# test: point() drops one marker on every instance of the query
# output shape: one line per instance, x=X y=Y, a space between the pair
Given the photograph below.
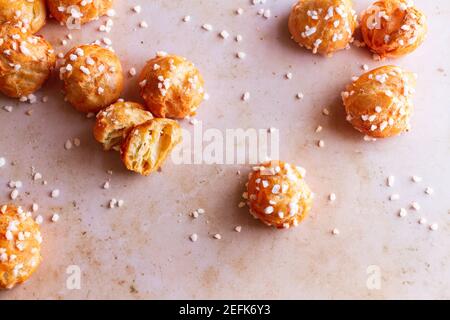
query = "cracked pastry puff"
x=278 y=195
x=92 y=77
x=323 y=26
x=20 y=246
x=393 y=28
x=115 y=122
x=148 y=145
x=30 y=15
x=379 y=103
x=74 y=12
x=171 y=86
x=26 y=61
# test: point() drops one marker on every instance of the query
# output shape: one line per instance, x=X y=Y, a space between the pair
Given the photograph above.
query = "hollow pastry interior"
x=114 y=123
x=148 y=145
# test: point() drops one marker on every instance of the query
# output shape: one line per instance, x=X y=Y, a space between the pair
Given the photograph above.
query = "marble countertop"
x=142 y=249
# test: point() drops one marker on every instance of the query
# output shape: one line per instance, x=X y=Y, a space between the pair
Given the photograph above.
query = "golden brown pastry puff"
x=92 y=77
x=20 y=246
x=171 y=86
x=26 y=61
x=148 y=145
x=393 y=28
x=71 y=12
x=115 y=122
x=31 y=15
x=278 y=195
x=323 y=26
x=378 y=103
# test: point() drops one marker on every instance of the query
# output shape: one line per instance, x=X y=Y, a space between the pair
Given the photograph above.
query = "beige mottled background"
x=142 y=250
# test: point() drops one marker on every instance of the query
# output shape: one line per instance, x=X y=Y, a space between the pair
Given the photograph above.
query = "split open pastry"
x=114 y=123
x=148 y=145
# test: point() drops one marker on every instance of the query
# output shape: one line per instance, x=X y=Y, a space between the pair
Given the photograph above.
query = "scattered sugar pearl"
x=325 y=112
x=106 y=41
x=14 y=194
x=187 y=18
x=68 y=145
x=39 y=219
x=207 y=27
x=143 y=24
x=246 y=96
x=394 y=197
x=299 y=96
x=365 y=67
x=37 y=176
x=195 y=214
x=434 y=227
x=238 y=229
x=321 y=144
x=391 y=181
x=217 y=236
x=112 y=203
x=289 y=75
x=335 y=232
x=76 y=142
x=402 y=213
x=332 y=197
x=239 y=11
x=241 y=204
x=106 y=185
x=2 y=162
x=55 y=217
x=120 y=203
x=132 y=72
x=241 y=55
x=422 y=220
x=35 y=207
x=55 y=193
x=415 y=206
x=193 y=237
x=201 y=211
x=319 y=129
x=137 y=9
x=416 y=179
x=267 y=14
x=429 y=191
x=239 y=38
x=224 y=34
x=369 y=139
